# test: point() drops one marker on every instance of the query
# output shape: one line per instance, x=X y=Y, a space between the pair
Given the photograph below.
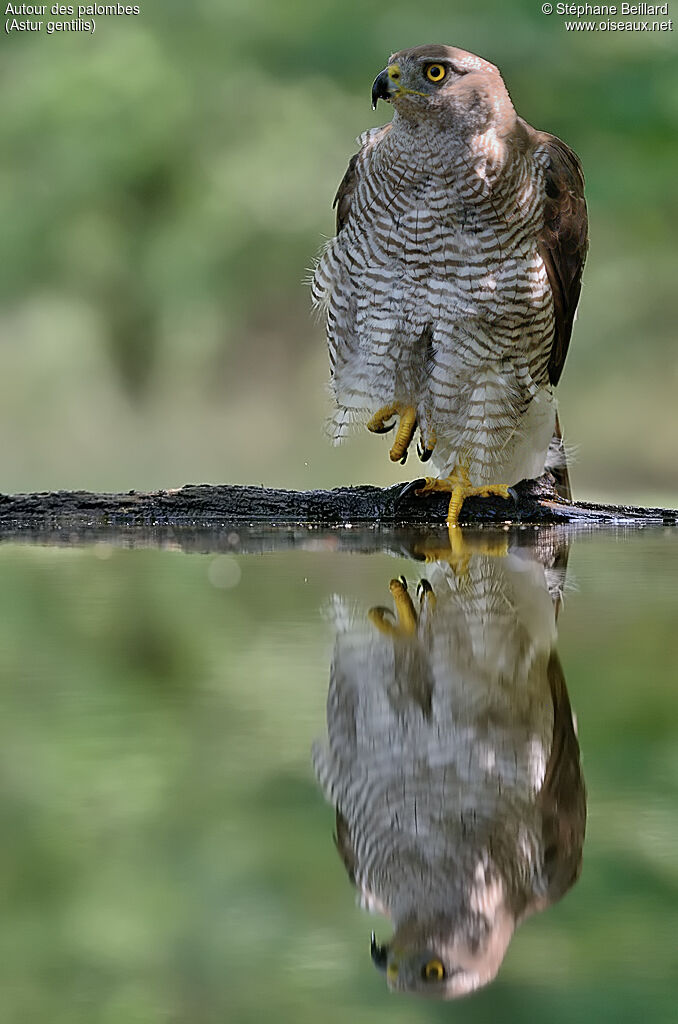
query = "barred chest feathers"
x=436 y=296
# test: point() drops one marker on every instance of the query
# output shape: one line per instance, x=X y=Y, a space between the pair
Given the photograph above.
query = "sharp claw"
x=514 y=494
x=378 y=953
x=385 y=428
x=413 y=485
x=424 y=453
x=404 y=458
x=423 y=587
x=418 y=556
x=401 y=579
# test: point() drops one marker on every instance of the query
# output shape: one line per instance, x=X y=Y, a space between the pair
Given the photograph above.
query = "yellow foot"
x=459 y=487
x=406 y=618
x=408 y=424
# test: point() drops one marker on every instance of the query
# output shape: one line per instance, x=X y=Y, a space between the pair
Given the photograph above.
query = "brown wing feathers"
x=342 y=200
x=563 y=242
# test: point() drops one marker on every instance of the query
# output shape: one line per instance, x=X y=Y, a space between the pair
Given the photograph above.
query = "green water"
x=167 y=853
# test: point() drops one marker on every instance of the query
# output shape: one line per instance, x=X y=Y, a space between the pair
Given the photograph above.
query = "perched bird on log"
x=451 y=286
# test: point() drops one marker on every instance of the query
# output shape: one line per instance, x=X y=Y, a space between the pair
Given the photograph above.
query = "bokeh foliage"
x=166 y=183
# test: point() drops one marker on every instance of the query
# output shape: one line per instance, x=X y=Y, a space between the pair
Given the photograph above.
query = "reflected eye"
x=435 y=72
x=433 y=971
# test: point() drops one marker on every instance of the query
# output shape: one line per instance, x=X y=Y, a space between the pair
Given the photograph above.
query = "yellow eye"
x=433 y=971
x=436 y=72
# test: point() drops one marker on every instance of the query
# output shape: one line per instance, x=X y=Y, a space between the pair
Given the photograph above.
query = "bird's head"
x=445 y=85
x=439 y=961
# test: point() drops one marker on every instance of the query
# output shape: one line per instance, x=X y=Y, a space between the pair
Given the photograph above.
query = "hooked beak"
x=378 y=953
x=385 y=84
x=388 y=85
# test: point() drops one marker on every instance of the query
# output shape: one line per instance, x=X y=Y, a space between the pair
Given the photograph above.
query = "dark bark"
x=221 y=517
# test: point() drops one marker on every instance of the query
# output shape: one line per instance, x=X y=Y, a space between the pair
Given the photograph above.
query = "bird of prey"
x=453 y=764
x=451 y=286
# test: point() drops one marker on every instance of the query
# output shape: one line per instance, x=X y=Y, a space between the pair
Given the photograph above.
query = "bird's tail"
x=556 y=463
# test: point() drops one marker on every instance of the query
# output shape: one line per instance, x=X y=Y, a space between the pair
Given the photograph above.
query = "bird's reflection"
x=453 y=763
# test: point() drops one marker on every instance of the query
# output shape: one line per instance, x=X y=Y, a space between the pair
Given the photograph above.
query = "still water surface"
x=221 y=771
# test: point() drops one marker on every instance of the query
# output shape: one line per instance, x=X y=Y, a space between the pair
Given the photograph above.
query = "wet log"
x=220 y=506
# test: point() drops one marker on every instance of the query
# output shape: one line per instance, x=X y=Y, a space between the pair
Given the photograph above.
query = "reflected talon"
x=425 y=594
x=404 y=623
x=417 y=555
x=380 y=618
x=463 y=545
x=405 y=611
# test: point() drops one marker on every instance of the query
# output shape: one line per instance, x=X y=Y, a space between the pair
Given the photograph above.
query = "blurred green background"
x=166 y=183
x=167 y=857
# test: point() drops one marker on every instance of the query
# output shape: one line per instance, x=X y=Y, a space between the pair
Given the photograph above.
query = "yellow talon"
x=377 y=424
x=408 y=423
x=426 y=445
x=459 y=487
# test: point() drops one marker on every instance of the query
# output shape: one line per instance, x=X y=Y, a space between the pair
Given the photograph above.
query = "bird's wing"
x=344 y=845
x=345 y=192
x=562 y=798
x=563 y=241
x=342 y=200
